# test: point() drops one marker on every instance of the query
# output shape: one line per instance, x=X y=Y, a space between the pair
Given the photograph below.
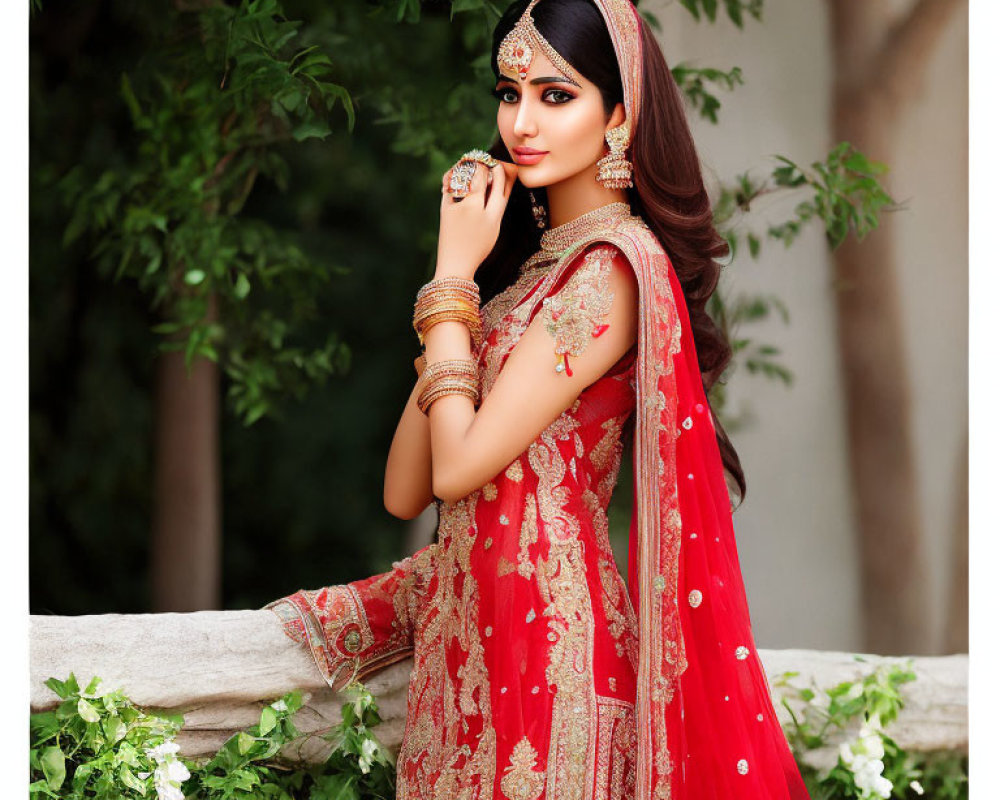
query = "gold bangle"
x=428 y=312
x=448 y=376
x=449 y=282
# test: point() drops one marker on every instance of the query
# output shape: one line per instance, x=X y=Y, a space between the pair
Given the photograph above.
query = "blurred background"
x=254 y=187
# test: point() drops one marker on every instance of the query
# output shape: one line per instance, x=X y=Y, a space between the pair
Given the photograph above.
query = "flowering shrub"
x=99 y=745
x=870 y=765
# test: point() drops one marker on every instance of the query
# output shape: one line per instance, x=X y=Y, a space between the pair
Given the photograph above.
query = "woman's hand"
x=469 y=228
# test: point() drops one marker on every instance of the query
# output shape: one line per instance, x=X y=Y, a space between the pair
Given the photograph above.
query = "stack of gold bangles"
x=448 y=298
x=452 y=298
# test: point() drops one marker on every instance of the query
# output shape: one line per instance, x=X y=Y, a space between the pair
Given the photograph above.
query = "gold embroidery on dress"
x=577 y=312
x=529 y=535
x=504 y=566
x=521 y=780
x=562 y=584
x=438 y=711
x=514 y=471
x=615 y=756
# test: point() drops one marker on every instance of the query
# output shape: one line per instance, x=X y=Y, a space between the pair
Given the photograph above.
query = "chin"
x=539 y=178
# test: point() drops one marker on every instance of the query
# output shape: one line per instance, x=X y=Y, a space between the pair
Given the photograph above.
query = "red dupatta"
x=706 y=726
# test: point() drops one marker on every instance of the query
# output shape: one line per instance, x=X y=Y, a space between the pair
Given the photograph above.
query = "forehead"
x=542 y=67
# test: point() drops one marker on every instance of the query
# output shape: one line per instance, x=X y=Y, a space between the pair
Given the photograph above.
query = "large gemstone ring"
x=465 y=169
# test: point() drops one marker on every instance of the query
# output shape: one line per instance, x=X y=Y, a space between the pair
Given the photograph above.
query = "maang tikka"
x=514 y=57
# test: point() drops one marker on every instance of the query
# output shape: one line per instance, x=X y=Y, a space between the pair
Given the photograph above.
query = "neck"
x=577 y=195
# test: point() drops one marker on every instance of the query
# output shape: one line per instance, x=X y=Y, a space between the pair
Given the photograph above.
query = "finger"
x=479 y=179
x=510 y=177
x=498 y=195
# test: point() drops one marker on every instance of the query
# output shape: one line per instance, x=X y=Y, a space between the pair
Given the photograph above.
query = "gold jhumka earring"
x=614 y=170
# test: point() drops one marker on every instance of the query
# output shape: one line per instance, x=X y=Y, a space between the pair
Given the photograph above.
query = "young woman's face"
x=548 y=113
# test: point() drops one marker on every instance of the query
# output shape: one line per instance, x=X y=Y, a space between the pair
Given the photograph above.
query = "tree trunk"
x=186 y=534
x=878 y=63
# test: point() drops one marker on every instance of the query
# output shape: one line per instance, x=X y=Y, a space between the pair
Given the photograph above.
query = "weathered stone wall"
x=217 y=668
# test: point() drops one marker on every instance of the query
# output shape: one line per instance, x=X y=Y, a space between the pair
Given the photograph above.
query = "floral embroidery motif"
x=576 y=313
x=521 y=781
x=514 y=471
x=490 y=491
x=504 y=566
x=529 y=536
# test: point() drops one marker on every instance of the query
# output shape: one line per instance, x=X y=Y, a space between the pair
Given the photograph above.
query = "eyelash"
x=503 y=90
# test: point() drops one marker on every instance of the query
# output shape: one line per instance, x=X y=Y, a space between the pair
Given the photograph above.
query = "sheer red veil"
x=706 y=725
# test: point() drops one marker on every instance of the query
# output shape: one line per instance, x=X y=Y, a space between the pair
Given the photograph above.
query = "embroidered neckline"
x=560 y=238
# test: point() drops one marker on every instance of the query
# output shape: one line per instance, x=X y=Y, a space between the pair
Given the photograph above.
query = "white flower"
x=870 y=743
x=915 y=785
x=170 y=771
x=864 y=758
x=159 y=753
x=279 y=705
x=176 y=771
x=368 y=750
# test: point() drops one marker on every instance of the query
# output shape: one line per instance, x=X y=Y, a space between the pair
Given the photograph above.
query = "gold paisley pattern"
x=529 y=536
x=521 y=781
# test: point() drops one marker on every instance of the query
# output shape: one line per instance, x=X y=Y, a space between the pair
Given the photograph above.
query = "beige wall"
x=795 y=530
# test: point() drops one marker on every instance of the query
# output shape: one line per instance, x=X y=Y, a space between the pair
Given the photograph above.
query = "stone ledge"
x=218 y=668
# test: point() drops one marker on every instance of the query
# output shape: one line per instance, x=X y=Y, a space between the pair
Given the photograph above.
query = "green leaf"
x=244 y=741
x=268 y=719
x=87 y=711
x=53 y=766
x=194 y=276
x=131 y=781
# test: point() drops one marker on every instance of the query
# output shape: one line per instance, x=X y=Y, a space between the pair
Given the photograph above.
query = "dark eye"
x=566 y=95
x=501 y=92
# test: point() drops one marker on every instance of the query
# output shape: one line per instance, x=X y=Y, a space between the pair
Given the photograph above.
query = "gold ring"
x=481 y=156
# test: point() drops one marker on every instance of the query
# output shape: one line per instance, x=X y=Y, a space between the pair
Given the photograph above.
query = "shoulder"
x=597 y=264
x=598 y=291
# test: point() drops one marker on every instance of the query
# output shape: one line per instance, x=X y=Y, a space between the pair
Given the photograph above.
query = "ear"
x=617 y=117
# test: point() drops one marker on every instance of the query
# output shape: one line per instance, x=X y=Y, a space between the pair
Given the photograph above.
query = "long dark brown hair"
x=669 y=192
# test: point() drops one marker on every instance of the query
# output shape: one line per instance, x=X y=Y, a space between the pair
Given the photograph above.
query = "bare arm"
x=407 y=490
x=469 y=447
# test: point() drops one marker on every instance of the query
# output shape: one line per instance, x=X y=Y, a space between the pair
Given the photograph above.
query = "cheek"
x=505 y=123
x=580 y=131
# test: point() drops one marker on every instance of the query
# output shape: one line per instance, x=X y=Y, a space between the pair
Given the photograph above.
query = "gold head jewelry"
x=517 y=50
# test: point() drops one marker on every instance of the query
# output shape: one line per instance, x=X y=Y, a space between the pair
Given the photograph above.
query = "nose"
x=524 y=122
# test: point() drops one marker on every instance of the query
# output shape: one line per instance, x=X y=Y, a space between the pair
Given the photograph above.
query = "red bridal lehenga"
x=538 y=673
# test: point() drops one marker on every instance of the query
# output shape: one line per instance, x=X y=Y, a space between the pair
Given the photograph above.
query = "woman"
x=537 y=672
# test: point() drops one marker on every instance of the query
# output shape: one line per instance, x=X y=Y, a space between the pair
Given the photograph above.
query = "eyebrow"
x=536 y=81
